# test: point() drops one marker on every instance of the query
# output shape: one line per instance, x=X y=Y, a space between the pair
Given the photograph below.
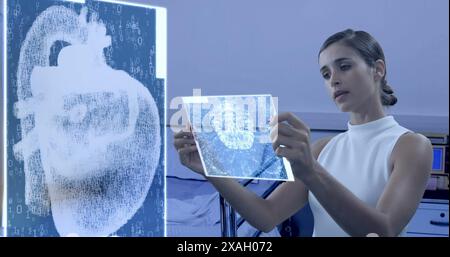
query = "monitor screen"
x=438 y=158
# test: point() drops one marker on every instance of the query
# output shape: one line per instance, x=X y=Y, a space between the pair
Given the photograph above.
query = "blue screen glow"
x=437 y=158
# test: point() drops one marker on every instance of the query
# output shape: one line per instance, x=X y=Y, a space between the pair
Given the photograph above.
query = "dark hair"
x=370 y=50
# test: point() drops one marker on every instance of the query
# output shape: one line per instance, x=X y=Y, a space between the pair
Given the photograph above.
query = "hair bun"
x=392 y=99
x=387 y=89
x=387 y=97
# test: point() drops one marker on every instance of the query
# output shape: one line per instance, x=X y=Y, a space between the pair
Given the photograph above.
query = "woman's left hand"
x=290 y=139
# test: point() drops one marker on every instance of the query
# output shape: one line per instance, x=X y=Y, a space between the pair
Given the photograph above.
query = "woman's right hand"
x=187 y=151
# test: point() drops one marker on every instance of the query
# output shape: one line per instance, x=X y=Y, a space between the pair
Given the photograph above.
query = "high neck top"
x=372 y=127
x=359 y=160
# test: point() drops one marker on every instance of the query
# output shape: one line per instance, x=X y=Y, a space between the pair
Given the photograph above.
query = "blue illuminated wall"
x=245 y=52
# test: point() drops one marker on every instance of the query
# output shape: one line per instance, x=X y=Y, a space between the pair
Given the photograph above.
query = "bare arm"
x=411 y=166
x=264 y=214
x=398 y=202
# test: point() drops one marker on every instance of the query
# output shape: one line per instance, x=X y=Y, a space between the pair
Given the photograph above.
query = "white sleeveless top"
x=358 y=159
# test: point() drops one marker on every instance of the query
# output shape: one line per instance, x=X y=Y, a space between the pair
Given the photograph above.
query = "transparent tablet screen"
x=232 y=134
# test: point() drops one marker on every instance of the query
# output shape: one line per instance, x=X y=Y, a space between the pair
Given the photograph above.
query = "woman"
x=369 y=179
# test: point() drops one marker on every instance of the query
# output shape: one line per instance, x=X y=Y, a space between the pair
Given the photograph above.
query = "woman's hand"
x=290 y=139
x=187 y=150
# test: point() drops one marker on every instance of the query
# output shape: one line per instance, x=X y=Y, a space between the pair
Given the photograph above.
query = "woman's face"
x=348 y=79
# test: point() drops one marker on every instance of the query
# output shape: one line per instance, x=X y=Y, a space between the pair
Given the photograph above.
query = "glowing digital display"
x=438 y=158
x=86 y=110
x=232 y=135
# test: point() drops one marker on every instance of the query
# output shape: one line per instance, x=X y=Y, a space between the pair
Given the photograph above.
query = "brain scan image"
x=86 y=125
x=232 y=135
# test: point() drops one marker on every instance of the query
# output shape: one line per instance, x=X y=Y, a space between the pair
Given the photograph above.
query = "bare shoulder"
x=412 y=142
x=412 y=147
x=318 y=145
